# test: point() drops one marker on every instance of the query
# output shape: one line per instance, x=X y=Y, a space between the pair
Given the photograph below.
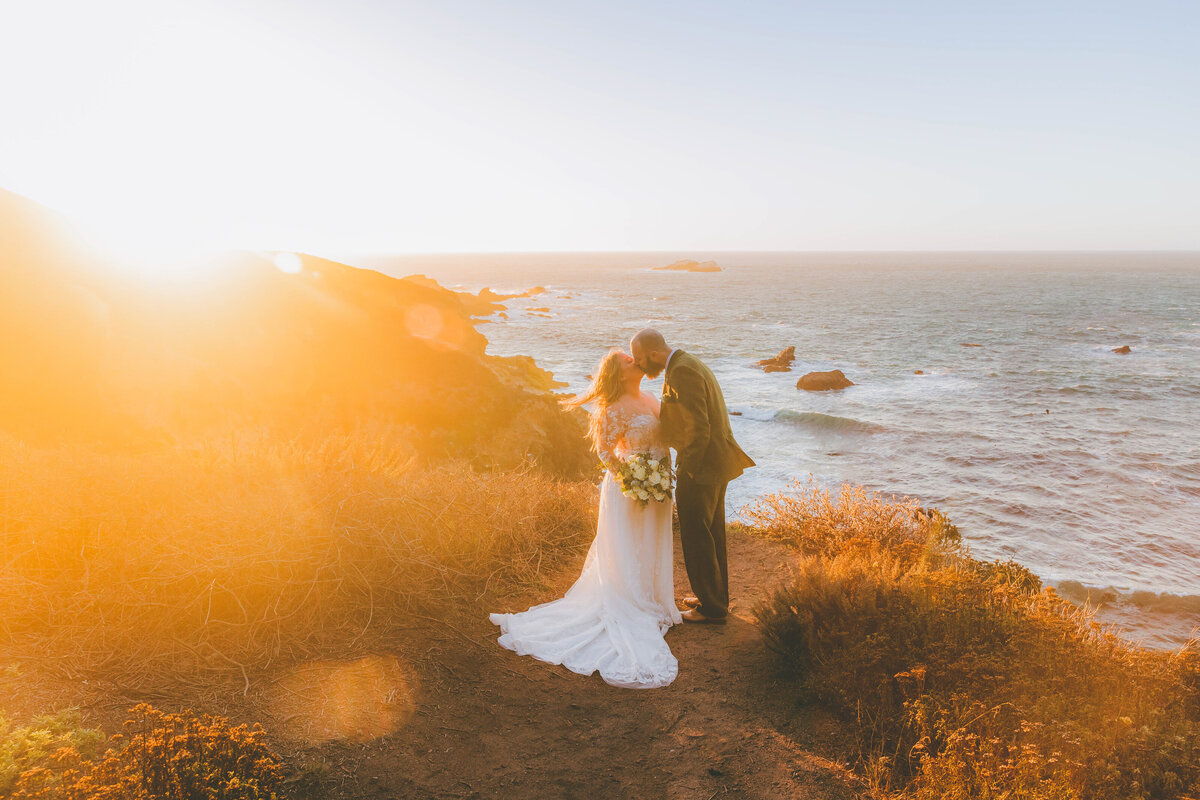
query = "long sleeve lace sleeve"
x=610 y=432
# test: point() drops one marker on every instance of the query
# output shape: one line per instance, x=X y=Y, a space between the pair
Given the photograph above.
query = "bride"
x=613 y=617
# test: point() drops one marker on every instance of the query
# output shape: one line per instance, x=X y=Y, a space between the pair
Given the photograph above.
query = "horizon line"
x=823 y=251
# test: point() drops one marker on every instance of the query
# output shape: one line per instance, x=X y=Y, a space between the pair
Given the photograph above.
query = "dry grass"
x=817 y=523
x=966 y=679
x=240 y=552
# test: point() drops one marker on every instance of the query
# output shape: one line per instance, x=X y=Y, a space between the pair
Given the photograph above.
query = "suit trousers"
x=701 y=509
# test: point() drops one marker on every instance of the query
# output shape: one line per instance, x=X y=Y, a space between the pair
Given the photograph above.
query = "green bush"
x=40 y=742
x=162 y=757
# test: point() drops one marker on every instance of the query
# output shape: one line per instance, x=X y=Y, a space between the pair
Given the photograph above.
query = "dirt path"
x=442 y=711
x=486 y=723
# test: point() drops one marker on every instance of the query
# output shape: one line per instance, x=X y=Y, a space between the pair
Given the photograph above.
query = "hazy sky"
x=356 y=126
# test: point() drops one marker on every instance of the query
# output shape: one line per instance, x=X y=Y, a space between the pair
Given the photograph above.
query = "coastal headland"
x=287 y=491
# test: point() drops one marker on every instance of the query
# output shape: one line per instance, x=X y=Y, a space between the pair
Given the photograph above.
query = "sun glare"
x=288 y=262
x=147 y=257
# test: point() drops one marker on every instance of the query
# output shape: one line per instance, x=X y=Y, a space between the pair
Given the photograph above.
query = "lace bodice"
x=624 y=433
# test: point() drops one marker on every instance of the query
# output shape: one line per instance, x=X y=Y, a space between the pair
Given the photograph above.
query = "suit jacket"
x=695 y=422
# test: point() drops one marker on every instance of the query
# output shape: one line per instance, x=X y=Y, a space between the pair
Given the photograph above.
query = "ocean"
x=1040 y=443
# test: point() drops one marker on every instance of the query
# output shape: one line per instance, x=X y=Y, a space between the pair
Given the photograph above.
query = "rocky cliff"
x=87 y=350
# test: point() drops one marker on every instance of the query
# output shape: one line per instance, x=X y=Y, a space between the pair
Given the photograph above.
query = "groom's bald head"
x=650 y=351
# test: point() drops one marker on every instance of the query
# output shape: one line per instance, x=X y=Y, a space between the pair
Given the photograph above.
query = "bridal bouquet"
x=644 y=478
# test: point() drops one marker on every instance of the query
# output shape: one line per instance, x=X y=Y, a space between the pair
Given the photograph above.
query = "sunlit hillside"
x=256 y=459
x=93 y=352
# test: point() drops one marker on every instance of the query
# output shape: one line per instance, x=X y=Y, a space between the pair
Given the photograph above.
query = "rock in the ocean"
x=1123 y=350
x=779 y=363
x=970 y=344
x=688 y=265
x=918 y=372
x=536 y=290
x=488 y=296
x=823 y=381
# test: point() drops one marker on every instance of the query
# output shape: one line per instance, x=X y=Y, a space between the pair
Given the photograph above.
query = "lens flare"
x=424 y=321
x=325 y=701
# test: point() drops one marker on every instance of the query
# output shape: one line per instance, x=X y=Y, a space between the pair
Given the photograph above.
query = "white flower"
x=652 y=463
x=643 y=494
x=639 y=472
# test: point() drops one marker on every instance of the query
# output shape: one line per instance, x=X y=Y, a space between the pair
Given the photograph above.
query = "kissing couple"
x=613 y=618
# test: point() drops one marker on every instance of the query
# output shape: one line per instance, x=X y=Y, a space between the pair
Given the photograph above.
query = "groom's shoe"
x=691 y=601
x=694 y=615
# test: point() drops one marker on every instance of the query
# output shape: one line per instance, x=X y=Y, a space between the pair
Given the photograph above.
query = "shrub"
x=163 y=757
x=967 y=679
x=816 y=523
x=29 y=746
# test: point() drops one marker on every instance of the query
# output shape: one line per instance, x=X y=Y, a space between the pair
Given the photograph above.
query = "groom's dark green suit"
x=695 y=422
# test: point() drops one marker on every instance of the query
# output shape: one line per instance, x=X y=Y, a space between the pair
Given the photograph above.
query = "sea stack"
x=688 y=265
x=779 y=363
x=823 y=381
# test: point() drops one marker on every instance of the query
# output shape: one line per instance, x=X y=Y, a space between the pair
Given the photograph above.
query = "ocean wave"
x=826 y=422
x=1164 y=602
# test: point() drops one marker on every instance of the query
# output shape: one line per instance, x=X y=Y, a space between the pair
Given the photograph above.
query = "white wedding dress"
x=613 y=617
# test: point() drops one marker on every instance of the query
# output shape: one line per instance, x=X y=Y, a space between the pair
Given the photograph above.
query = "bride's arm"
x=609 y=435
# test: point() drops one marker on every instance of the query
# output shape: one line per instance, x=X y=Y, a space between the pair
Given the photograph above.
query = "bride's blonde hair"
x=605 y=389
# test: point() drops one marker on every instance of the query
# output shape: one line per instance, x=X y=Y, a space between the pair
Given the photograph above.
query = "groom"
x=695 y=422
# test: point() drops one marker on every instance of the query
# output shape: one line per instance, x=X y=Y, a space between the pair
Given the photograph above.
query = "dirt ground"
x=445 y=712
